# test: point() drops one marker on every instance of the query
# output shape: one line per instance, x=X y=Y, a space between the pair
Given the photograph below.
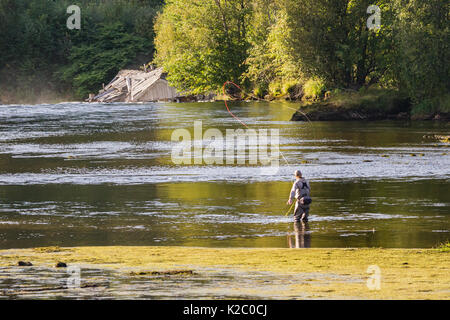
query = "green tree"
x=270 y=56
x=330 y=40
x=39 y=53
x=422 y=40
x=32 y=43
x=202 y=43
x=112 y=48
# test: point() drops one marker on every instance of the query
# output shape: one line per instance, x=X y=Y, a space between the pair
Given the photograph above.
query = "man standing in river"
x=299 y=192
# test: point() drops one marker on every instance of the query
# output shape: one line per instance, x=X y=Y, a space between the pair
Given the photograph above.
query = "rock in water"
x=25 y=264
x=61 y=265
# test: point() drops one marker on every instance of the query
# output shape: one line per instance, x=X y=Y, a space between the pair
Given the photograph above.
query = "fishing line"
x=246 y=126
x=229 y=111
x=309 y=122
x=251 y=95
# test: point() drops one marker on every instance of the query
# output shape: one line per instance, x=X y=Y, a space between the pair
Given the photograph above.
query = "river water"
x=76 y=174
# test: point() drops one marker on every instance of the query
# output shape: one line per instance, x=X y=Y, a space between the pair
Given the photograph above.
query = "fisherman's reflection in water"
x=301 y=236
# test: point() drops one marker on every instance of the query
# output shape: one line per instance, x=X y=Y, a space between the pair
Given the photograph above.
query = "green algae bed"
x=405 y=273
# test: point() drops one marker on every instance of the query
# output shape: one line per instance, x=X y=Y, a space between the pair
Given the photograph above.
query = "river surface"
x=76 y=174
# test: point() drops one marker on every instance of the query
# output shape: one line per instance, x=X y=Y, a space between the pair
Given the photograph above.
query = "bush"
x=444 y=247
x=363 y=90
x=432 y=105
x=335 y=92
x=93 y=64
x=313 y=88
x=260 y=91
x=289 y=87
x=281 y=88
x=275 y=89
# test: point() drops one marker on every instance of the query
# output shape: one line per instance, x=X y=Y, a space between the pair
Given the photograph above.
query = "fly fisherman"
x=300 y=192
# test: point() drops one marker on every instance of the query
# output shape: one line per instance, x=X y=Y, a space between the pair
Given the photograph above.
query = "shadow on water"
x=301 y=237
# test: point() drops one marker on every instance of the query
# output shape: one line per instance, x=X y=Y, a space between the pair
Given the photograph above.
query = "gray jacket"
x=300 y=189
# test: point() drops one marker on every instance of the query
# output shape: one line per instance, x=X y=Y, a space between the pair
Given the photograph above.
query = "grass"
x=379 y=101
x=406 y=273
x=367 y=103
x=437 y=104
x=369 y=98
x=444 y=247
x=313 y=88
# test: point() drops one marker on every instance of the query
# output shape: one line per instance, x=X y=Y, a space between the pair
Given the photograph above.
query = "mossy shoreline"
x=371 y=105
x=324 y=111
x=405 y=273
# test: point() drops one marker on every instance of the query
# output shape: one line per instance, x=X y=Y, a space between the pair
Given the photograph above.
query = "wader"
x=301 y=212
x=301 y=189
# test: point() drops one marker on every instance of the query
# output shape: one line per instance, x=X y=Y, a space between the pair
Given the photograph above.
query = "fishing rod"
x=287 y=213
x=245 y=125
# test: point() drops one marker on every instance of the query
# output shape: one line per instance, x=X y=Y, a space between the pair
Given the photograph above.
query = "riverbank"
x=371 y=105
x=287 y=273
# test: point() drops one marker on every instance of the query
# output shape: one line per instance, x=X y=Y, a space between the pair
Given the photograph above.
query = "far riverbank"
x=371 y=105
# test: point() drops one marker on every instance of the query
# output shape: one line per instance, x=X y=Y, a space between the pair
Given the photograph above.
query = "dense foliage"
x=268 y=45
x=202 y=43
x=39 y=53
